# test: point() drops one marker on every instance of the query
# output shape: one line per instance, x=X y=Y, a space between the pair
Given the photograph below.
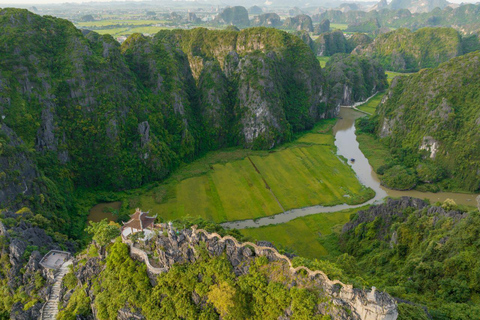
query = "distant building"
x=139 y=222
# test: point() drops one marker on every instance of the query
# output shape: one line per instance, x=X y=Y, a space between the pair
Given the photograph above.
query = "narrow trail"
x=266 y=184
x=50 y=308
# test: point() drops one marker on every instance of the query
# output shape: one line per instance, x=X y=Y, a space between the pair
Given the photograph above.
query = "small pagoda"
x=139 y=222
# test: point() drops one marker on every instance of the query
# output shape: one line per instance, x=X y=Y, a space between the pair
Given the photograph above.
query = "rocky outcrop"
x=388 y=211
x=330 y=43
x=405 y=51
x=299 y=22
x=20 y=265
x=322 y=27
x=267 y=20
x=179 y=246
x=266 y=80
x=353 y=78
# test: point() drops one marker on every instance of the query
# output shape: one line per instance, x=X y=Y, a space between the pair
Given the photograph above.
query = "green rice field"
x=303 y=235
x=242 y=184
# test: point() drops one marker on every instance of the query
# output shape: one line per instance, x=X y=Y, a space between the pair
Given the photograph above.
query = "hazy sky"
x=10 y=3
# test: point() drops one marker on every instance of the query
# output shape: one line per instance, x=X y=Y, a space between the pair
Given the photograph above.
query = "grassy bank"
x=375 y=151
x=239 y=184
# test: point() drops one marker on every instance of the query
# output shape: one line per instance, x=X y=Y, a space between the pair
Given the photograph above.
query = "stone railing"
x=144 y=257
x=260 y=249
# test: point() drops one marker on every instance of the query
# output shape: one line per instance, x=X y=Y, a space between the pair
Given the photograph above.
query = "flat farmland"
x=243 y=184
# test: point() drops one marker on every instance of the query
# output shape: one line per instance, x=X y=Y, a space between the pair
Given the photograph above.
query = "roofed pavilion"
x=139 y=222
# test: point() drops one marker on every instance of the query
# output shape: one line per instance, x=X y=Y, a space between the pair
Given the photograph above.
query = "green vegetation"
x=406 y=51
x=353 y=78
x=426 y=256
x=239 y=184
x=305 y=236
x=433 y=136
x=330 y=43
x=98 y=119
x=371 y=105
x=376 y=152
x=323 y=61
x=391 y=75
x=103 y=232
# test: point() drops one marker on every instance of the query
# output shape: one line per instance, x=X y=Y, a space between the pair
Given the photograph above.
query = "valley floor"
x=244 y=184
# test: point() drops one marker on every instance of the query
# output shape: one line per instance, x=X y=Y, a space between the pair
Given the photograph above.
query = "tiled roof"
x=140 y=220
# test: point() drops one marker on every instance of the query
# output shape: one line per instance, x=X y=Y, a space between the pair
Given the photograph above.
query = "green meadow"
x=323 y=61
x=393 y=74
x=304 y=236
x=239 y=184
x=340 y=26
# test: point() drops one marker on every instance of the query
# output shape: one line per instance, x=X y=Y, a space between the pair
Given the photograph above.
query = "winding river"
x=347 y=146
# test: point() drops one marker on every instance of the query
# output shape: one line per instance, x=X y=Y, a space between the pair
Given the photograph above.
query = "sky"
x=10 y=3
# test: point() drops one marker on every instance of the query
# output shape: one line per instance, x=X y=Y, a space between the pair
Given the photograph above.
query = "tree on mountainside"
x=103 y=232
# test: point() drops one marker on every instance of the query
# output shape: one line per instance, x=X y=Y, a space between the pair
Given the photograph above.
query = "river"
x=347 y=146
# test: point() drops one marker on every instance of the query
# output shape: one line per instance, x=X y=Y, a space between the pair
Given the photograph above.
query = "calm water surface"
x=99 y=212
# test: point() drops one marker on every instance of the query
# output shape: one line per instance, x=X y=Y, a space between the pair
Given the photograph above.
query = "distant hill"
x=418 y=6
x=405 y=51
x=233 y=15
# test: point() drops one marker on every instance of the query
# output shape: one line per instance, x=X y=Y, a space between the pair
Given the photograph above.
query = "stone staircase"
x=50 y=309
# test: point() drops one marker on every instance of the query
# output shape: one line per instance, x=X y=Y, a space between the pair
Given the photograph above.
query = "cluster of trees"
x=426 y=256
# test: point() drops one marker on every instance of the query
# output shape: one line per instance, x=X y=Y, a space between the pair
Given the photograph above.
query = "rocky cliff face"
x=353 y=78
x=275 y=83
x=237 y=16
x=20 y=273
x=19 y=175
x=267 y=20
